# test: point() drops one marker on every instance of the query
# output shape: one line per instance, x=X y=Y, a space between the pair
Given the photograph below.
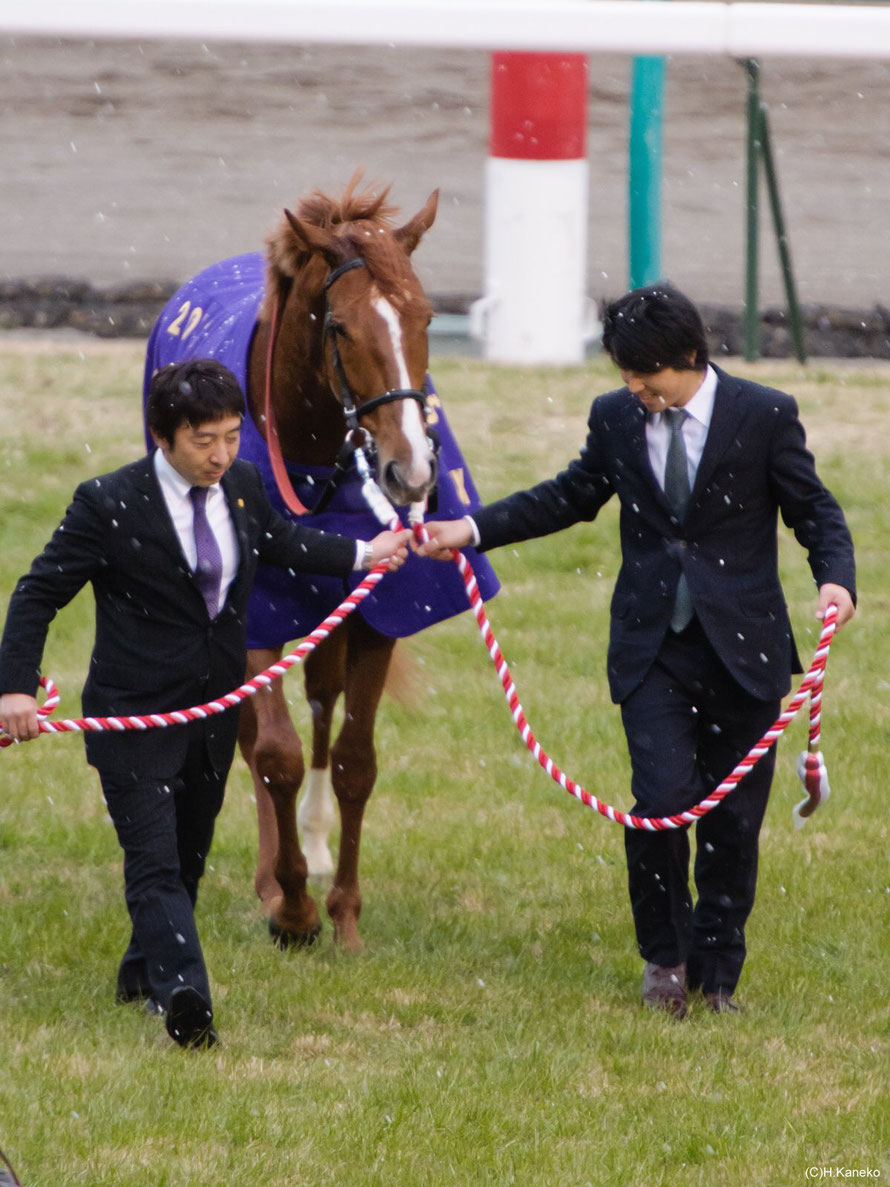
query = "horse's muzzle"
x=402 y=488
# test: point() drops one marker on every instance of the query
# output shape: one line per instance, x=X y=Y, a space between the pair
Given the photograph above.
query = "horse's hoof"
x=283 y=938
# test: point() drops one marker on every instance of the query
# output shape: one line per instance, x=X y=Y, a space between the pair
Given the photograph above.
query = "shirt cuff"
x=363 y=556
x=477 y=539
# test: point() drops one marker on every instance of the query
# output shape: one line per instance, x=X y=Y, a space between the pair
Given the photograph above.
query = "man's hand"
x=445 y=535
x=391 y=547
x=18 y=716
x=841 y=598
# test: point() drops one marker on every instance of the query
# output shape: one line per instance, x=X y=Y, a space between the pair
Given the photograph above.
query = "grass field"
x=490 y=1032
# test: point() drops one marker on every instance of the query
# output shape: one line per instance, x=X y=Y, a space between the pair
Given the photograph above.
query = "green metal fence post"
x=752 y=313
x=781 y=236
x=644 y=171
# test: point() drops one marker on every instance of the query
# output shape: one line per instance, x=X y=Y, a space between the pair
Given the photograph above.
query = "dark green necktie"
x=677 y=492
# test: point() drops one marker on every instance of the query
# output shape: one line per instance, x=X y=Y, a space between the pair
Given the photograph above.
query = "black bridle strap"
x=337 y=272
x=350 y=411
x=396 y=393
x=353 y=411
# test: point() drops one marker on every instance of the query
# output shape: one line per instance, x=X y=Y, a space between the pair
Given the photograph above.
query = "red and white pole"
x=535 y=309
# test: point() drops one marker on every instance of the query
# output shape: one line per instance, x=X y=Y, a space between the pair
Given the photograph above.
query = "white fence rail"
x=578 y=26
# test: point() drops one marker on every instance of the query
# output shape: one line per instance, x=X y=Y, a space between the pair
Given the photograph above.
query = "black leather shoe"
x=721 y=1003
x=664 y=988
x=190 y=1018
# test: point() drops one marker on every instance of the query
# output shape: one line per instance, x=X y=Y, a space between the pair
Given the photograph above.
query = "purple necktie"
x=208 y=572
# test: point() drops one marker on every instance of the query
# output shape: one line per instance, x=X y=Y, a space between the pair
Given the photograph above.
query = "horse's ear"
x=311 y=239
x=411 y=234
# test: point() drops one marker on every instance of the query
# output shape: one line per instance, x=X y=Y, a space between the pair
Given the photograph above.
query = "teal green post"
x=752 y=212
x=644 y=171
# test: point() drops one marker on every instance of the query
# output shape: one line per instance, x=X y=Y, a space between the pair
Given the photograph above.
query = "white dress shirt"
x=694 y=429
x=175 y=490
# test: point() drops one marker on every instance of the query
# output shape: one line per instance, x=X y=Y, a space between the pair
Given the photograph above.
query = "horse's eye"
x=339 y=329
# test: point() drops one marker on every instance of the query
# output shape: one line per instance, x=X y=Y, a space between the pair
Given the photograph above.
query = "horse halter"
x=353 y=411
x=357 y=437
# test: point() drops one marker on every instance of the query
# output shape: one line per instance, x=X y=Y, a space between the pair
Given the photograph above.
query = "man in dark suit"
x=170 y=545
x=701 y=650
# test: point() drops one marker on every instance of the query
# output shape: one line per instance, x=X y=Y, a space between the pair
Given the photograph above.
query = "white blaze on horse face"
x=412 y=416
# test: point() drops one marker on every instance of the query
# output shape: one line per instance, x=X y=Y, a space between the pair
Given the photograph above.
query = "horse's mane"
x=357 y=217
x=353 y=205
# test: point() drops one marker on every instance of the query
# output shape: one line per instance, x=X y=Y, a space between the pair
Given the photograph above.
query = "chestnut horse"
x=331 y=344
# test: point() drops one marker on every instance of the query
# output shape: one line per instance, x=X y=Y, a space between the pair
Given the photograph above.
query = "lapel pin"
x=240 y=502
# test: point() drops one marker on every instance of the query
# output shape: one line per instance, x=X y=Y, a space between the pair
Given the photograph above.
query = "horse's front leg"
x=272 y=750
x=354 y=768
x=325 y=672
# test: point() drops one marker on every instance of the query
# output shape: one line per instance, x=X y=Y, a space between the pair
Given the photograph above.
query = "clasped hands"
x=444 y=536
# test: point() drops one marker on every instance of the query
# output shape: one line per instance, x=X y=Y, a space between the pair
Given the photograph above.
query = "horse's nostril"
x=411 y=485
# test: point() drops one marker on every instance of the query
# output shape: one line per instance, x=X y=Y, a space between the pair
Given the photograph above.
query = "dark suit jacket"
x=156 y=648
x=755 y=464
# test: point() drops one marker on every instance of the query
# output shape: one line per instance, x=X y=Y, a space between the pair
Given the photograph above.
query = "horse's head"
x=375 y=320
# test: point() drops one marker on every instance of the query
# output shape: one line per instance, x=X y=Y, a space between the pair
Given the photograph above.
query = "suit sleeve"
x=808 y=508
x=73 y=555
x=576 y=494
x=296 y=546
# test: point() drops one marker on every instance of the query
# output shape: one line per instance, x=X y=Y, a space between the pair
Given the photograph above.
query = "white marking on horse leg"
x=316 y=817
x=412 y=418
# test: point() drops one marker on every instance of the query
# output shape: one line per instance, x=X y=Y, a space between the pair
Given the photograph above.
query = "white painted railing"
x=579 y=26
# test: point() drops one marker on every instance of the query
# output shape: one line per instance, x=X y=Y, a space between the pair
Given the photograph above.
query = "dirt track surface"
x=126 y=161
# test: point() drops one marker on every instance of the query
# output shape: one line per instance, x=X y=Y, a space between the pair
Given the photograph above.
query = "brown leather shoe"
x=664 y=988
x=721 y=1003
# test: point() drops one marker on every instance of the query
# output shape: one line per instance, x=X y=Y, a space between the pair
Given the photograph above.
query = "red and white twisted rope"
x=199 y=712
x=810 y=686
x=811 y=768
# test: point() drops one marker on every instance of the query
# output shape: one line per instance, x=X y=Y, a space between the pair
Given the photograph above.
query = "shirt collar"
x=701 y=406
x=173 y=482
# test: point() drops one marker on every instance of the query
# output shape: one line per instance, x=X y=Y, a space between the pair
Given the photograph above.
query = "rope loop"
x=812 y=765
x=811 y=686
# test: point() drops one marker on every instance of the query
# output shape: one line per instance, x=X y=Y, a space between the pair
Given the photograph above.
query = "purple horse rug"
x=214 y=316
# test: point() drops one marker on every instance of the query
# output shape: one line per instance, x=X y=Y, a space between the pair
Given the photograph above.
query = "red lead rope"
x=811 y=766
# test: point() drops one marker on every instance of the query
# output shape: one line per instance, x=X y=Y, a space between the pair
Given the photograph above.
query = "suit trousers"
x=687 y=726
x=165 y=828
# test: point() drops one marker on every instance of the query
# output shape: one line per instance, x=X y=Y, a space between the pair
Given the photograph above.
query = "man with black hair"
x=701 y=650
x=170 y=545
